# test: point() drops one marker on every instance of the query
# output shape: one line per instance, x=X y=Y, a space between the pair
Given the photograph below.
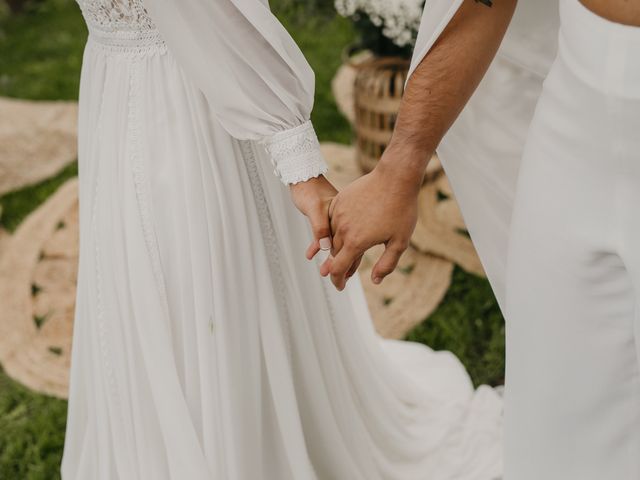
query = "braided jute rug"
x=37 y=139
x=37 y=291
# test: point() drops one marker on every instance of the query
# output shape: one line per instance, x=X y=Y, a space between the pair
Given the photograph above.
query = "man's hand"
x=378 y=208
x=381 y=207
x=313 y=198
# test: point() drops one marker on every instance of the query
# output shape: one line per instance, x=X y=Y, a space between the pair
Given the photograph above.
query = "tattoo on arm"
x=488 y=3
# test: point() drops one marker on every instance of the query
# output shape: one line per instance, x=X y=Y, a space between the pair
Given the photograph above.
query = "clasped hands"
x=378 y=208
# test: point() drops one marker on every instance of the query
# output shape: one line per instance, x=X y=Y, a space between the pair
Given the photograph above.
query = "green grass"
x=32 y=433
x=469 y=323
x=40 y=58
x=41 y=51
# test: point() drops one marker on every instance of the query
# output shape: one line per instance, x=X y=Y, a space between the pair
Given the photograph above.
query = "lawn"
x=31 y=433
x=41 y=51
x=40 y=57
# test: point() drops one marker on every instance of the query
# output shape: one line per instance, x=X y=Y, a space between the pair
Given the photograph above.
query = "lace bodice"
x=116 y=16
x=121 y=26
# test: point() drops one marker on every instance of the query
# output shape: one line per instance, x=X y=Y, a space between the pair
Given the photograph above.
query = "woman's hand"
x=313 y=198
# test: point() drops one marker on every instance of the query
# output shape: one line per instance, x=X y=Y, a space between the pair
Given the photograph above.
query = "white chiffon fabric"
x=205 y=345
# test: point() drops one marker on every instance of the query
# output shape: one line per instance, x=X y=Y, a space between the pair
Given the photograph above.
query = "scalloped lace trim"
x=312 y=170
x=295 y=154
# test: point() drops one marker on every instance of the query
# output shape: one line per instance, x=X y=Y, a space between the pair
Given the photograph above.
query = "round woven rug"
x=37 y=288
x=441 y=229
x=37 y=139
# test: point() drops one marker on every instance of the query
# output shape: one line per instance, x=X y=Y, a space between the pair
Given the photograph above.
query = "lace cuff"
x=295 y=154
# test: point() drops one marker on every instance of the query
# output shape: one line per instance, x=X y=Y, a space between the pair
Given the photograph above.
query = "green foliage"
x=305 y=9
x=469 y=323
x=16 y=205
x=41 y=51
x=32 y=433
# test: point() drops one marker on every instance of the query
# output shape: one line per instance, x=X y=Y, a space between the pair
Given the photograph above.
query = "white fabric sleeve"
x=530 y=41
x=436 y=16
x=255 y=78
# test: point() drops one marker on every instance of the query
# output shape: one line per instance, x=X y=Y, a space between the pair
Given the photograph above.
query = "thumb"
x=321 y=228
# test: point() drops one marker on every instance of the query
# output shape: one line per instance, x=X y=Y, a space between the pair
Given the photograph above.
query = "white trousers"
x=572 y=400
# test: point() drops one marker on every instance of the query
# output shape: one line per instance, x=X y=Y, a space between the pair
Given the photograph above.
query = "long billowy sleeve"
x=255 y=78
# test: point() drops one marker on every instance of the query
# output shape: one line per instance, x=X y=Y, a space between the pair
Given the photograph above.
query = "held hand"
x=378 y=208
x=313 y=198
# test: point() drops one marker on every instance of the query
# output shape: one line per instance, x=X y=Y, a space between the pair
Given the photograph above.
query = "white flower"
x=399 y=19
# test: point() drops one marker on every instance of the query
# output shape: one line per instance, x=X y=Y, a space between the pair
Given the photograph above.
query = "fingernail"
x=377 y=280
x=325 y=244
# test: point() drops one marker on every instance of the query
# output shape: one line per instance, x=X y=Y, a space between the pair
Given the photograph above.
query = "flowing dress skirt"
x=205 y=345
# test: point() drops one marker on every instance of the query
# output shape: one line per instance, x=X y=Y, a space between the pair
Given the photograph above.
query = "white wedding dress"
x=205 y=345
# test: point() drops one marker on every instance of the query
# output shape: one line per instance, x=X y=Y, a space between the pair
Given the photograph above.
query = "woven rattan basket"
x=379 y=87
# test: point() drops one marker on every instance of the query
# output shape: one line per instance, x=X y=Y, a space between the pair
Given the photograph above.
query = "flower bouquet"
x=385 y=27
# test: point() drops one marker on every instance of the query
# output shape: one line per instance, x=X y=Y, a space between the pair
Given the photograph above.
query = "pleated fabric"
x=205 y=345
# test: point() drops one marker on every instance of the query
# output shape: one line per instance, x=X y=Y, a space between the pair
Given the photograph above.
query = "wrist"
x=317 y=189
x=404 y=165
x=308 y=184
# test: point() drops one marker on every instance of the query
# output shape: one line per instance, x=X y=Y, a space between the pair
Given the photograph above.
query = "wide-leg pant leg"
x=572 y=400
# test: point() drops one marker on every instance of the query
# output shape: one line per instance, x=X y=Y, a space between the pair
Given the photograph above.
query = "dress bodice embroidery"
x=122 y=26
x=116 y=15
